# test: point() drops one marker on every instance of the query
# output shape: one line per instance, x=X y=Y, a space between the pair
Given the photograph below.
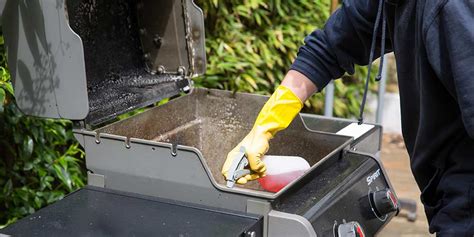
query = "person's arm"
x=299 y=84
x=344 y=41
x=327 y=54
x=451 y=54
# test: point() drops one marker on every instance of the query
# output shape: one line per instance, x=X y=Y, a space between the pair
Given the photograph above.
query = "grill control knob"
x=384 y=202
x=350 y=229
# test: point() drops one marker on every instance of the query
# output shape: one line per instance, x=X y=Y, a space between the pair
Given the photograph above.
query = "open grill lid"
x=95 y=59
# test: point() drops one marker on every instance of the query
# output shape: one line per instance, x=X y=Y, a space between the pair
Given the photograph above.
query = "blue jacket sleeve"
x=344 y=41
x=451 y=55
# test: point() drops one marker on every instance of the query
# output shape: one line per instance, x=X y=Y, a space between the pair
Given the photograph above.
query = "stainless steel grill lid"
x=101 y=58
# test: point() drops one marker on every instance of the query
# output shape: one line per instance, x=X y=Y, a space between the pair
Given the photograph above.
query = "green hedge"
x=250 y=45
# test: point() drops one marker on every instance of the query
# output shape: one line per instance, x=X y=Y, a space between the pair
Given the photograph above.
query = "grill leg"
x=410 y=206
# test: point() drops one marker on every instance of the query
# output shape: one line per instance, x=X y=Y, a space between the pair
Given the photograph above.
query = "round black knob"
x=350 y=229
x=384 y=202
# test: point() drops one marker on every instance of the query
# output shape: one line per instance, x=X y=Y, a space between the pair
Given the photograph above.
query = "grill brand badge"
x=373 y=177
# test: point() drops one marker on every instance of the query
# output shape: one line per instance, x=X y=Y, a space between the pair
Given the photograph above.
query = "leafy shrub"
x=251 y=44
x=40 y=160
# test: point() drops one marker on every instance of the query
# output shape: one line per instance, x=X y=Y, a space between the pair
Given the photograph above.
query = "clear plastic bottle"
x=282 y=170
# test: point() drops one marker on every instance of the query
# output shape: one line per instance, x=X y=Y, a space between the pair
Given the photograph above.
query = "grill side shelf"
x=94 y=212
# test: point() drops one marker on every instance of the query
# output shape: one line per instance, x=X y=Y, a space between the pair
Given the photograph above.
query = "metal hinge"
x=189 y=38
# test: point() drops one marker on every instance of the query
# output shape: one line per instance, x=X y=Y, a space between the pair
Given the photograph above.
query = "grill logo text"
x=373 y=177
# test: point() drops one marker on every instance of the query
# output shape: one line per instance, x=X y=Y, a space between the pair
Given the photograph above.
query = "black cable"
x=382 y=52
x=371 y=58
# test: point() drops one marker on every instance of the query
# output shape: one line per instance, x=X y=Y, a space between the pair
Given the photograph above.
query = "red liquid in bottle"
x=274 y=183
x=282 y=170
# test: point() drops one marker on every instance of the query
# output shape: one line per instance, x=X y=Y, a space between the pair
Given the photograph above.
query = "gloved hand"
x=276 y=115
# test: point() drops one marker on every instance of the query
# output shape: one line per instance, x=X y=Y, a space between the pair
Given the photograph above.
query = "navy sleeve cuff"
x=319 y=76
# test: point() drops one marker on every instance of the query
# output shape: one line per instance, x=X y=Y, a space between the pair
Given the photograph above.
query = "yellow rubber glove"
x=276 y=115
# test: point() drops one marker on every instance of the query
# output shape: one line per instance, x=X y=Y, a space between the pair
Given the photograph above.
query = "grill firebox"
x=214 y=122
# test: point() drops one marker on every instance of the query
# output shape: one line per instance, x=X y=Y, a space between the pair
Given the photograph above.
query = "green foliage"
x=251 y=44
x=40 y=160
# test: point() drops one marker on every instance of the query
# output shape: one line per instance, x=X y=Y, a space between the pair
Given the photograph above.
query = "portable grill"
x=158 y=172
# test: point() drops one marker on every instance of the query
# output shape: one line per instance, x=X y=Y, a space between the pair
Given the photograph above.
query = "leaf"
x=250 y=80
x=2 y=99
x=49 y=179
x=64 y=176
x=38 y=202
x=28 y=166
x=60 y=130
x=6 y=85
x=7 y=189
x=34 y=131
x=27 y=147
x=54 y=196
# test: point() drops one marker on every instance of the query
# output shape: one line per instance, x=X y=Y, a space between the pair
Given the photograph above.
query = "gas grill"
x=157 y=173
